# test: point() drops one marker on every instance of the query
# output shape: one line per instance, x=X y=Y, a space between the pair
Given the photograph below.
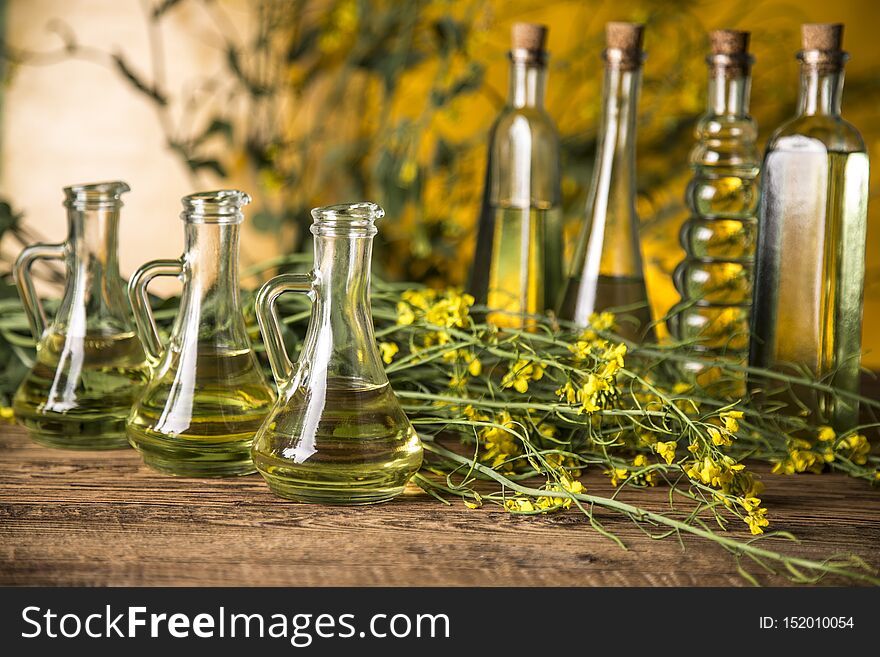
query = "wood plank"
x=102 y=518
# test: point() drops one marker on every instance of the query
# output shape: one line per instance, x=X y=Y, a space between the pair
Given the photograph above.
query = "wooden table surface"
x=102 y=518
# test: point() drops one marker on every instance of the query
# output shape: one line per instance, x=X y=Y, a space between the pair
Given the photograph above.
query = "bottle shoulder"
x=515 y=119
x=832 y=132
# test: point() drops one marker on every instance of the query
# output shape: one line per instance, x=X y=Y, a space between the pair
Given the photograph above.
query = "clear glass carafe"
x=606 y=271
x=337 y=433
x=810 y=264
x=207 y=395
x=518 y=263
x=90 y=364
x=715 y=277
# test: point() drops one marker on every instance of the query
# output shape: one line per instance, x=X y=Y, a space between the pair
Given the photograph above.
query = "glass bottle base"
x=309 y=489
x=73 y=434
x=181 y=458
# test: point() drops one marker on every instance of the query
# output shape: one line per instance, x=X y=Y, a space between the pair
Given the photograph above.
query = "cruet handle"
x=270 y=326
x=140 y=303
x=21 y=272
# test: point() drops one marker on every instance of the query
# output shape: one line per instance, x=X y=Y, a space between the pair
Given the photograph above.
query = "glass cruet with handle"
x=207 y=394
x=337 y=433
x=89 y=364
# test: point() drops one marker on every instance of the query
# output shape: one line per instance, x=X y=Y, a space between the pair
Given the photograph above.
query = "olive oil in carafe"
x=526 y=265
x=360 y=449
x=199 y=418
x=81 y=389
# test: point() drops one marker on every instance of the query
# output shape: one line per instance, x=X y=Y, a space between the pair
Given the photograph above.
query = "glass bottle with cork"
x=715 y=277
x=810 y=262
x=518 y=264
x=607 y=271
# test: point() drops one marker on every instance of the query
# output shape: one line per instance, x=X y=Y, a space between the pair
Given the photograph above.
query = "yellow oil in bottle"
x=808 y=300
x=199 y=418
x=81 y=389
x=345 y=442
x=526 y=267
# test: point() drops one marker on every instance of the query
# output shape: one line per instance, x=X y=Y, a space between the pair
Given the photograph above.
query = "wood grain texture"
x=102 y=518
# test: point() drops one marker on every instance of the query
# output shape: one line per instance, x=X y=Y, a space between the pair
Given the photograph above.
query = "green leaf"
x=8 y=218
x=197 y=164
x=216 y=127
x=149 y=90
x=450 y=34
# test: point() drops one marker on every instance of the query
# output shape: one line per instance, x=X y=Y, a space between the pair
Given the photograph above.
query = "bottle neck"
x=729 y=89
x=616 y=147
x=94 y=239
x=94 y=298
x=211 y=298
x=528 y=80
x=342 y=267
x=821 y=90
x=340 y=341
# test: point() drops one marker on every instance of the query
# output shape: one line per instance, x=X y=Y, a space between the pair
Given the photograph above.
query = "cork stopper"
x=729 y=42
x=827 y=37
x=822 y=47
x=623 y=42
x=528 y=36
x=729 y=53
x=624 y=36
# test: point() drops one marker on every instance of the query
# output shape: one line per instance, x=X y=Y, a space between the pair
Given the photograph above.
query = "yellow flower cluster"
x=597 y=389
x=666 y=450
x=499 y=443
x=604 y=321
x=466 y=364
x=546 y=503
x=756 y=517
x=734 y=485
x=388 y=351
x=723 y=435
x=520 y=373
x=447 y=309
x=811 y=456
x=632 y=473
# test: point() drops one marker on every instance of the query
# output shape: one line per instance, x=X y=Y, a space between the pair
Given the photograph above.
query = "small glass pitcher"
x=337 y=433
x=207 y=395
x=90 y=364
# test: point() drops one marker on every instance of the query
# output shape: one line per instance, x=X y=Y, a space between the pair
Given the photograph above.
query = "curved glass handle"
x=21 y=272
x=270 y=326
x=140 y=303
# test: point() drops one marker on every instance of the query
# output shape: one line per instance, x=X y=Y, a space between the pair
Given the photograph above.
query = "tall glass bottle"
x=337 y=433
x=207 y=395
x=606 y=271
x=90 y=365
x=518 y=264
x=715 y=278
x=810 y=265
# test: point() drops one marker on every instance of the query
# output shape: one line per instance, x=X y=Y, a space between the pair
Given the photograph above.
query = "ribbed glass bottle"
x=518 y=264
x=810 y=268
x=715 y=278
x=606 y=271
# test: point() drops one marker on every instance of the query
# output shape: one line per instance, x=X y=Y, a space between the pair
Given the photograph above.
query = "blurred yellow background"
x=303 y=103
